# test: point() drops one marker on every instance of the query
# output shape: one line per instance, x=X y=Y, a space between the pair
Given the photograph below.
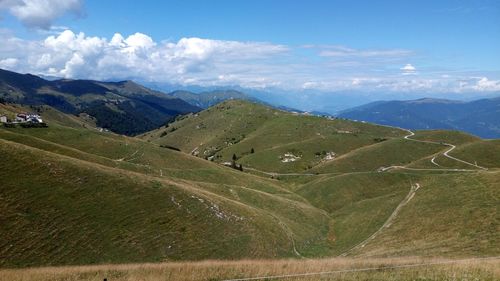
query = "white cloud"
x=8 y=63
x=195 y=60
x=484 y=84
x=40 y=13
x=208 y=62
x=342 y=51
x=139 y=41
x=408 y=69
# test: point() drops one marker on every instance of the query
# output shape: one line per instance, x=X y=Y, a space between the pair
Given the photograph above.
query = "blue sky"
x=329 y=46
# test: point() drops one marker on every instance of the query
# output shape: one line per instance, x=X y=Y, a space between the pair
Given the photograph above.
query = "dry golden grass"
x=379 y=269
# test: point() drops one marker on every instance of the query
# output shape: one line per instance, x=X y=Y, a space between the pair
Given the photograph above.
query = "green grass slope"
x=469 y=148
x=371 y=158
x=49 y=114
x=453 y=137
x=134 y=155
x=486 y=153
x=236 y=127
x=111 y=215
x=70 y=194
x=450 y=215
x=358 y=199
x=357 y=203
x=77 y=196
x=67 y=212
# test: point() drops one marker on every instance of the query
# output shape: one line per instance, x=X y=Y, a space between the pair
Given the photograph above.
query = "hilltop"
x=210 y=98
x=122 y=107
x=237 y=127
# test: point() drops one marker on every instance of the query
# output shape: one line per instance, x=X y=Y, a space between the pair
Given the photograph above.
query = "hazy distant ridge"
x=480 y=117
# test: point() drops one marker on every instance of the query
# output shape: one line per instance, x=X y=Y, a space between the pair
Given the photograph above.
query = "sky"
x=427 y=47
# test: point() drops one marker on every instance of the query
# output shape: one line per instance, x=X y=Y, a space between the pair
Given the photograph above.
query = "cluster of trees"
x=170 y=147
x=26 y=125
x=320 y=153
x=164 y=133
x=122 y=121
x=234 y=158
x=235 y=165
x=34 y=125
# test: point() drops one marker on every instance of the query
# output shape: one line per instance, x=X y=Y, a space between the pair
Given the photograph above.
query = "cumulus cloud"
x=40 y=13
x=189 y=60
x=208 y=62
x=484 y=84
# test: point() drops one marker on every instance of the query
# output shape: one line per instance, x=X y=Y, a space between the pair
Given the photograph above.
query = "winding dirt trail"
x=433 y=161
x=445 y=154
x=384 y=169
x=388 y=222
x=414 y=187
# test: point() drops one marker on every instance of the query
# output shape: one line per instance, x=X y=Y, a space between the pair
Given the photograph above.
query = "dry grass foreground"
x=370 y=269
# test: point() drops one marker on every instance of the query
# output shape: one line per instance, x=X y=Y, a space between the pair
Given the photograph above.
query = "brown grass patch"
x=379 y=269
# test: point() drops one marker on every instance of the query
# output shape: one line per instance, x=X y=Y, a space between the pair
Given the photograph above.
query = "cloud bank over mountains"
x=208 y=62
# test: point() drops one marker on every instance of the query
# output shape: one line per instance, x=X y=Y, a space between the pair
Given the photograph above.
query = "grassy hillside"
x=486 y=153
x=131 y=217
x=134 y=201
x=357 y=197
x=357 y=203
x=468 y=148
x=49 y=114
x=450 y=215
x=453 y=137
x=388 y=153
x=70 y=194
x=237 y=127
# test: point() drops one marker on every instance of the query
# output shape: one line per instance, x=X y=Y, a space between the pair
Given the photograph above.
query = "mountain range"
x=479 y=117
x=122 y=107
x=129 y=108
